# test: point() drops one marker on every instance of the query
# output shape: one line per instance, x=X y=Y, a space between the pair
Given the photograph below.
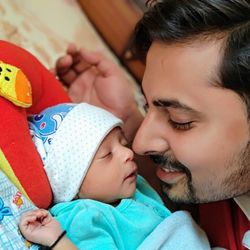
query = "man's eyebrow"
x=171 y=103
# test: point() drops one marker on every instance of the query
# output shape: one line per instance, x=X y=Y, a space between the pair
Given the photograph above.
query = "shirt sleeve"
x=87 y=227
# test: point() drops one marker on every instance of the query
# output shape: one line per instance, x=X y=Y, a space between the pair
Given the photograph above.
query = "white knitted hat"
x=67 y=137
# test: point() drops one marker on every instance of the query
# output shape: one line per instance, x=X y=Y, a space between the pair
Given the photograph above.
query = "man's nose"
x=151 y=137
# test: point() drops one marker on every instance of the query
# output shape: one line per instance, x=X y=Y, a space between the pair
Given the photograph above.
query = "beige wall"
x=45 y=27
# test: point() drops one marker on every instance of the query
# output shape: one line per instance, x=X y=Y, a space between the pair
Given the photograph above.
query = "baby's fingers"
x=32 y=216
x=26 y=221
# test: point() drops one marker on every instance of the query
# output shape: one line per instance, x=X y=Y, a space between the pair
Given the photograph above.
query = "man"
x=197 y=128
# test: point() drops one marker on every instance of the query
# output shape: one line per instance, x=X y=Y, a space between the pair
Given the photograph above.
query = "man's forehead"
x=177 y=59
x=180 y=74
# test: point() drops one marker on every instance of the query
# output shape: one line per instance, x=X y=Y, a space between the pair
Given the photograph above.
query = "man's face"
x=199 y=129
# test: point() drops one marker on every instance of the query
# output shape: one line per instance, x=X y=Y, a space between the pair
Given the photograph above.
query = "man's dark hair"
x=184 y=21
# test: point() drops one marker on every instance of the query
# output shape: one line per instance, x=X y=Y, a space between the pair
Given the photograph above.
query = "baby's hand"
x=40 y=227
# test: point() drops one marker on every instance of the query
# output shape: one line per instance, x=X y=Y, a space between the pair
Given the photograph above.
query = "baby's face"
x=112 y=174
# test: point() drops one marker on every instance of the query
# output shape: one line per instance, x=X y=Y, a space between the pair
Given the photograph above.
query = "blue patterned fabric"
x=47 y=122
x=12 y=205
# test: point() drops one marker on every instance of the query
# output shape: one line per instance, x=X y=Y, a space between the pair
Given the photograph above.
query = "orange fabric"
x=23 y=91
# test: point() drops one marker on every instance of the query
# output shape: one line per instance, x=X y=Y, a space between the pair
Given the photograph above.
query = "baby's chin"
x=130 y=191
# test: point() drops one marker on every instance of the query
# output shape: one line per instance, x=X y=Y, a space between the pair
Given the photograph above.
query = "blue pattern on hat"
x=47 y=122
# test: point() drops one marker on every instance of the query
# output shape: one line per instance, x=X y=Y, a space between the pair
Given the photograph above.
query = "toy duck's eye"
x=38 y=117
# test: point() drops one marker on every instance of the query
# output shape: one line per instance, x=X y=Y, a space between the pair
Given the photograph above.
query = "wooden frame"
x=115 y=21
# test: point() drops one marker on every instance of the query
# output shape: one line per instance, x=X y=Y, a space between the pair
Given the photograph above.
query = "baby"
x=100 y=201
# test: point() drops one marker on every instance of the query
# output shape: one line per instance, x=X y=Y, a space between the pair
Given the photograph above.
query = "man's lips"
x=169 y=176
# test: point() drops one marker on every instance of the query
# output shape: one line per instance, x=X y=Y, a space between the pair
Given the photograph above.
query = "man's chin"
x=178 y=193
x=184 y=194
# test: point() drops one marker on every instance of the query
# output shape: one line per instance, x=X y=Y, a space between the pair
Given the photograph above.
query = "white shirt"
x=243 y=202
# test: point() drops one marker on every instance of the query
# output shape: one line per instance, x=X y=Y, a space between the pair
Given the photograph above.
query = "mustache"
x=164 y=161
x=167 y=163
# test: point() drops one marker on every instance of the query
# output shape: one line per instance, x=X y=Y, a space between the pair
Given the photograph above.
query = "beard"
x=183 y=190
x=235 y=182
x=238 y=182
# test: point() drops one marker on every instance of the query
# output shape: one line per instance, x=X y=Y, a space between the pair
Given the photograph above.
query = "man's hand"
x=94 y=79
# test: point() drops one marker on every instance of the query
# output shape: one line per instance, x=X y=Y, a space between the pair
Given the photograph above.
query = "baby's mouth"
x=131 y=175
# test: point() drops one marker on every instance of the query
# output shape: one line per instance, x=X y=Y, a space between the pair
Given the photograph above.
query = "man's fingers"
x=71 y=62
x=103 y=65
x=63 y=64
x=81 y=90
x=72 y=49
x=68 y=77
x=80 y=65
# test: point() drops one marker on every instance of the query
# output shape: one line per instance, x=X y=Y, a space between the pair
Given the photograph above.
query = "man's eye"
x=181 y=126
